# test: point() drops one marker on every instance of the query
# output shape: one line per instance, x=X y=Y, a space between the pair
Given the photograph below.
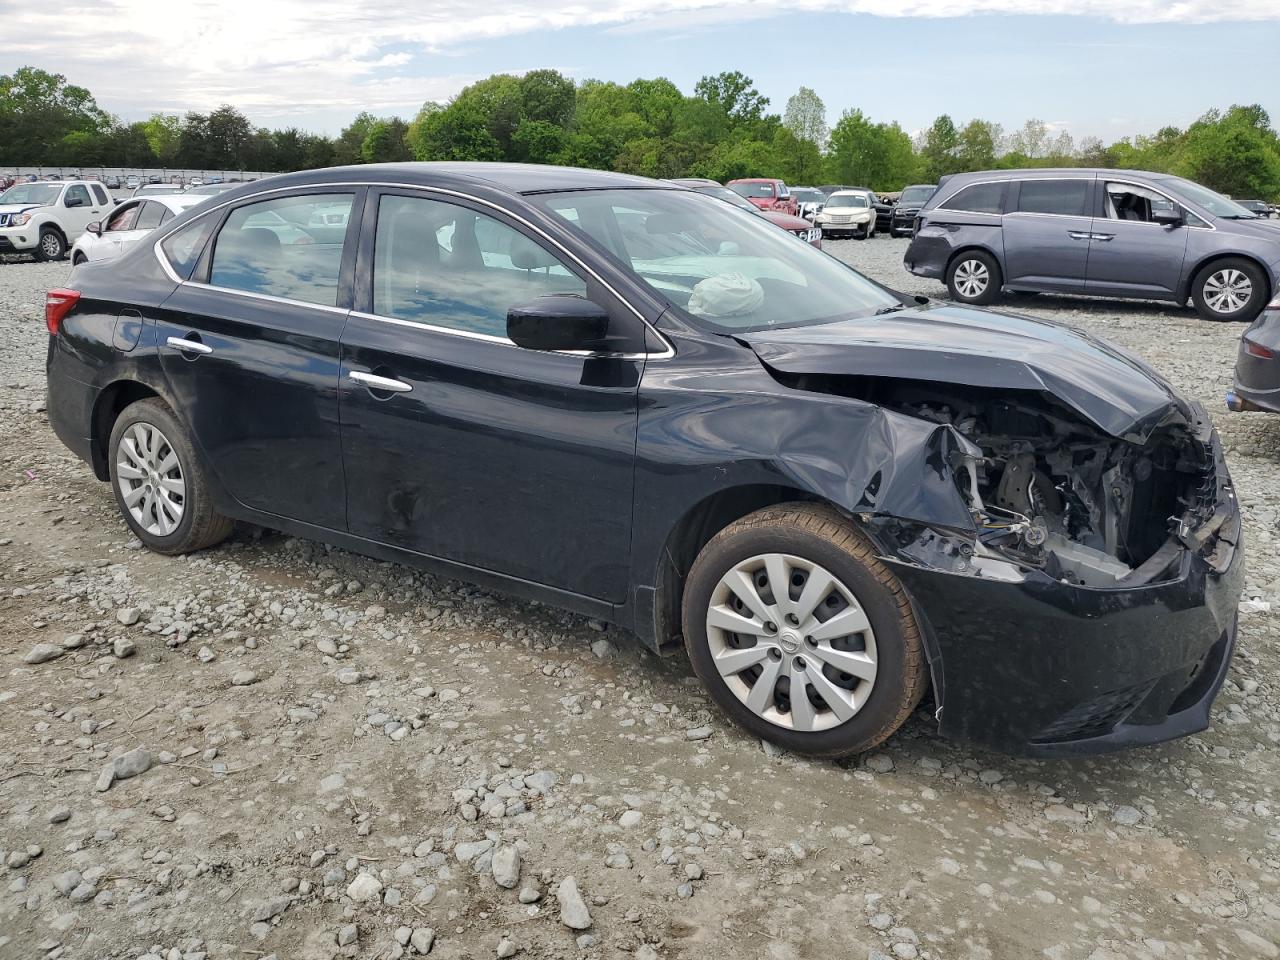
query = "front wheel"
x=160 y=485
x=974 y=277
x=52 y=246
x=800 y=634
x=1230 y=289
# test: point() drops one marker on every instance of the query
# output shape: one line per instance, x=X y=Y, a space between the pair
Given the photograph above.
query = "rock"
x=123 y=647
x=990 y=776
x=349 y=675
x=630 y=818
x=469 y=850
x=699 y=733
x=83 y=893
x=506 y=948
x=530 y=894
x=603 y=649
x=348 y=935
x=1258 y=946
x=334 y=781
x=364 y=887
x=272 y=908
x=880 y=763
x=66 y=881
x=542 y=781
x=586 y=941
x=43 y=652
x=73 y=641
x=422 y=940
x=1126 y=816
x=573 y=909
x=1061 y=813
x=60 y=814
x=243 y=678
x=506 y=866
x=127 y=616
x=123 y=767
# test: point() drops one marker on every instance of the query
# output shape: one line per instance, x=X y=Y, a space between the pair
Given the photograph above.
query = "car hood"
x=785 y=220
x=19 y=207
x=1263 y=229
x=1115 y=391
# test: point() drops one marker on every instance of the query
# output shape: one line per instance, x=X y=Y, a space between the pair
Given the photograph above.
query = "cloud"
x=282 y=58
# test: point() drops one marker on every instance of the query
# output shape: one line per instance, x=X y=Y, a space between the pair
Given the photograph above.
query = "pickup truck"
x=43 y=218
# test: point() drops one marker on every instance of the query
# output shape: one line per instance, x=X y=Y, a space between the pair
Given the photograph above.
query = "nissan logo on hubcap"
x=789 y=642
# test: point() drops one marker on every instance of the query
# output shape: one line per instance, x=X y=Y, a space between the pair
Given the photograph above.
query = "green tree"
x=387 y=142
x=977 y=146
x=350 y=143
x=806 y=117
x=1236 y=153
x=735 y=94
x=875 y=155
x=39 y=110
x=940 y=152
x=230 y=137
x=164 y=136
x=459 y=131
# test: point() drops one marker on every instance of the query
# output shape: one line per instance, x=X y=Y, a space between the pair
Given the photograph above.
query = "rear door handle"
x=1103 y=237
x=375 y=382
x=1078 y=235
x=189 y=346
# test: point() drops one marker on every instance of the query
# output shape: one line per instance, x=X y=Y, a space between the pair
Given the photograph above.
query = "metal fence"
x=164 y=173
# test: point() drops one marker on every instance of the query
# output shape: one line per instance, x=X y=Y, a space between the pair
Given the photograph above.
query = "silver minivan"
x=1097 y=232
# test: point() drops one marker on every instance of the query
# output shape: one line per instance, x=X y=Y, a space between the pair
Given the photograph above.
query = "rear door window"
x=150 y=216
x=1067 y=198
x=288 y=247
x=183 y=247
x=978 y=198
x=101 y=194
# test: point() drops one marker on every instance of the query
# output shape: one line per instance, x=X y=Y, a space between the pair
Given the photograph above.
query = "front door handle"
x=189 y=346
x=1078 y=235
x=375 y=382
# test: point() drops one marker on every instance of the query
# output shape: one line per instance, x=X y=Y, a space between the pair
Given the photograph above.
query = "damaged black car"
x=636 y=402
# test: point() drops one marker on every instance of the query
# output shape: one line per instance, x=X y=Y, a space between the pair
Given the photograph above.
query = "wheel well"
x=56 y=229
x=1213 y=258
x=110 y=404
x=686 y=540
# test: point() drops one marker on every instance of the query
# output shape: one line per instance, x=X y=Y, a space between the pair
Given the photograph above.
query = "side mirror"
x=95 y=228
x=558 y=322
x=1167 y=218
x=73 y=202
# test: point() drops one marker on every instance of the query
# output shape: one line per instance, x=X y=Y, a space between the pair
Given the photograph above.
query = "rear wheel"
x=52 y=245
x=1230 y=289
x=974 y=277
x=161 y=487
x=800 y=634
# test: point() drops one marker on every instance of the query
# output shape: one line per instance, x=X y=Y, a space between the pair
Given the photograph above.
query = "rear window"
x=977 y=198
x=183 y=247
x=1066 y=198
x=762 y=189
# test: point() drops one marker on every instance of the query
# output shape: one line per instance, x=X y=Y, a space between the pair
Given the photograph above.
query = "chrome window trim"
x=664 y=354
x=1005 y=180
x=1181 y=204
x=286 y=301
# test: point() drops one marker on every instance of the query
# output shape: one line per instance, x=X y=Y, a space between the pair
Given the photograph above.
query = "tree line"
x=723 y=130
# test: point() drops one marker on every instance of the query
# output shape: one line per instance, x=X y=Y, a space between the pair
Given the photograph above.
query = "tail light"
x=57 y=304
x=1257 y=349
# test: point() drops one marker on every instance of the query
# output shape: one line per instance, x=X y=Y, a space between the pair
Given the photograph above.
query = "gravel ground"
x=278 y=749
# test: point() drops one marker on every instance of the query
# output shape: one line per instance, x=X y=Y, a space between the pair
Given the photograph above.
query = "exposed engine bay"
x=1051 y=491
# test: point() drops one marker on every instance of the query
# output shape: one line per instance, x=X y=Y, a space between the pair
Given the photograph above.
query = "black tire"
x=199 y=526
x=1219 y=270
x=52 y=244
x=820 y=535
x=964 y=292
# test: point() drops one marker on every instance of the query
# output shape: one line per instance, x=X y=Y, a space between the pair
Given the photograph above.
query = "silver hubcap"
x=150 y=479
x=972 y=278
x=50 y=244
x=792 y=642
x=1227 y=291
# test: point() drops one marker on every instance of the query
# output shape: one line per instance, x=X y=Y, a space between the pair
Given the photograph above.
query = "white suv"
x=40 y=217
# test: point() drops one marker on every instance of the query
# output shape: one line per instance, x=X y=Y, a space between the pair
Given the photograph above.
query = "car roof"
x=756 y=180
x=516 y=178
x=1066 y=173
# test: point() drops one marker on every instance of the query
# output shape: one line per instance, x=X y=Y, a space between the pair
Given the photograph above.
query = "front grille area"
x=4 y=219
x=1096 y=717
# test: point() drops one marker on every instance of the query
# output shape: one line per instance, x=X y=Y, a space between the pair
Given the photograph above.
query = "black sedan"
x=645 y=405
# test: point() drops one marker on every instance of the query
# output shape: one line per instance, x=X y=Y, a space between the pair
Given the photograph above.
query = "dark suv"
x=1112 y=233
x=908 y=208
x=640 y=403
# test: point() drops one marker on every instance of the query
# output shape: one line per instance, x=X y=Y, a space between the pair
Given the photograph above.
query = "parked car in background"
x=41 y=218
x=849 y=213
x=1259 y=207
x=1111 y=233
x=560 y=383
x=156 y=189
x=908 y=207
x=809 y=201
x=1257 y=376
x=798 y=227
x=128 y=223
x=132 y=182
x=195 y=182
x=765 y=193
x=112 y=182
x=210 y=189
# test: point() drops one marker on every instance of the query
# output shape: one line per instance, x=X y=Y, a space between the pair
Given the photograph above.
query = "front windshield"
x=842 y=200
x=723 y=267
x=727 y=195
x=40 y=193
x=916 y=195
x=757 y=189
x=1215 y=203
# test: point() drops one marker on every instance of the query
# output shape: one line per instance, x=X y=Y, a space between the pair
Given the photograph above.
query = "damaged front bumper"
x=1042 y=667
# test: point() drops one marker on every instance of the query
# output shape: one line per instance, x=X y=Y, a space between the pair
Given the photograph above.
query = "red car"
x=802 y=229
x=767 y=194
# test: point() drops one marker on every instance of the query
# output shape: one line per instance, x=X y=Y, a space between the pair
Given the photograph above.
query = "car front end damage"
x=1071 y=541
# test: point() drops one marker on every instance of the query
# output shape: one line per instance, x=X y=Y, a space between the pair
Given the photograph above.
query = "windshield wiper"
x=886 y=310
x=1240 y=216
